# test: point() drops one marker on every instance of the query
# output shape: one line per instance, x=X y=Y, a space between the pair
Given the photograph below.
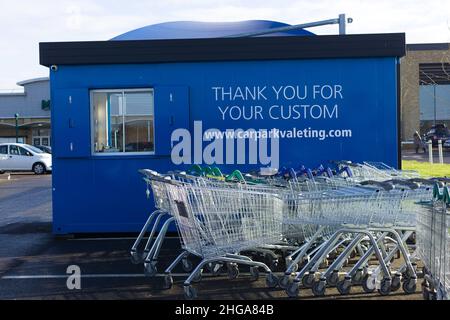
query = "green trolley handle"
x=216 y=172
x=196 y=170
x=235 y=175
x=444 y=196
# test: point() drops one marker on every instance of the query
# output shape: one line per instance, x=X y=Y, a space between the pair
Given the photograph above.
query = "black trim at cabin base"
x=222 y=49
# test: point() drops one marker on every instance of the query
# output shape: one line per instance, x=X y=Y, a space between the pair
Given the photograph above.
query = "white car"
x=23 y=157
x=447 y=144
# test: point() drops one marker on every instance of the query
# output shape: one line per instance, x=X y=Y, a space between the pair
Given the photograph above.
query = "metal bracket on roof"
x=341 y=21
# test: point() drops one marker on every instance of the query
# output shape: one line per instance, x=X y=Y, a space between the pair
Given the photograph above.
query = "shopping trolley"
x=217 y=224
x=238 y=181
x=162 y=209
x=404 y=226
x=362 y=172
x=161 y=200
x=433 y=246
x=353 y=214
x=150 y=253
x=405 y=174
x=306 y=240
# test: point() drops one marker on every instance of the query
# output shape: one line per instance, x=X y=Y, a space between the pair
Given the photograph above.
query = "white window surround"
x=121 y=153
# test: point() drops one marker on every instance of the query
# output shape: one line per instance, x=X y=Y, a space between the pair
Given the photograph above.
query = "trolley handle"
x=385 y=185
x=208 y=171
x=284 y=172
x=155 y=176
x=235 y=175
x=195 y=170
x=345 y=163
x=345 y=169
x=307 y=171
x=442 y=180
x=444 y=196
x=410 y=184
x=216 y=172
x=183 y=175
x=322 y=170
x=426 y=181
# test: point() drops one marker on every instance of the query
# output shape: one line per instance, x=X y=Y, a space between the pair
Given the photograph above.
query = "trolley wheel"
x=135 y=257
x=346 y=263
x=426 y=293
x=187 y=265
x=190 y=293
x=285 y=281
x=409 y=273
x=303 y=262
x=344 y=286
x=357 y=277
x=150 y=269
x=368 y=284
x=308 y=280
x=293 y=289
x=198 y=276
x=324 y=264
x=385 y=287
x=254 y=273
x=319 y=288
x=333 y=255
x=274 y=264
x=333 y=278
x=271 y=260
x=409 y=286
x=271 y=280
x=168 y=282
x=433 y=295
x=233 y=271
x=396 y=283
x=214 y=268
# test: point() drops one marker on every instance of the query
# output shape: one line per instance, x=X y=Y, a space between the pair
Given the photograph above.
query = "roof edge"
x=222 y=49
x=29 y=81
x=428 y=46
x=12 y=94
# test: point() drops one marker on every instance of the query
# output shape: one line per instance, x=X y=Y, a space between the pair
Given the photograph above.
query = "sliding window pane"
x=116 y=113
x=139 y=128
x=108 y=122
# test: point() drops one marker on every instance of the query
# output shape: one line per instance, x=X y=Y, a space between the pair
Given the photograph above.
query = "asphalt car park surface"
x=33 y=263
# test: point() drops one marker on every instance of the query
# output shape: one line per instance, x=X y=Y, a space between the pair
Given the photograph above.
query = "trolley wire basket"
x=213 y=222
x=433 y=245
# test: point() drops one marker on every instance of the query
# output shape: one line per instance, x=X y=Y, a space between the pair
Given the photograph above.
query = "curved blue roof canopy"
x=194 y=29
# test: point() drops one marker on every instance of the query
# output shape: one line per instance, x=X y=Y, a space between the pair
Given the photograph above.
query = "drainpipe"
x=16 y=116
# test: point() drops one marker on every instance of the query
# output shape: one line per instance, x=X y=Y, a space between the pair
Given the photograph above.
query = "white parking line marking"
x=119 y=238
x=112 y=275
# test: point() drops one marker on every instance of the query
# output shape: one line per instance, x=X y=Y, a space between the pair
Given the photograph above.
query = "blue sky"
x=25 y=23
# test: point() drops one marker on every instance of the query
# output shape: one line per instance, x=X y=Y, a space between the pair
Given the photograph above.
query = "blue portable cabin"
x=115 y=105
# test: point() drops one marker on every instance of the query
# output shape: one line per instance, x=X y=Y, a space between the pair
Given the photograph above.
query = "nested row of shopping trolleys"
x=433 y=246
x=340 y=227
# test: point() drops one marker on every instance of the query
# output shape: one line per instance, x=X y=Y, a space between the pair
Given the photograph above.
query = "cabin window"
x=123 y=121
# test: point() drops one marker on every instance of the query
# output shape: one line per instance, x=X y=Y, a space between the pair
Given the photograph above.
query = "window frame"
x=92 y=126
x=7 y=149
x=28 y=153
x=14 y=146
